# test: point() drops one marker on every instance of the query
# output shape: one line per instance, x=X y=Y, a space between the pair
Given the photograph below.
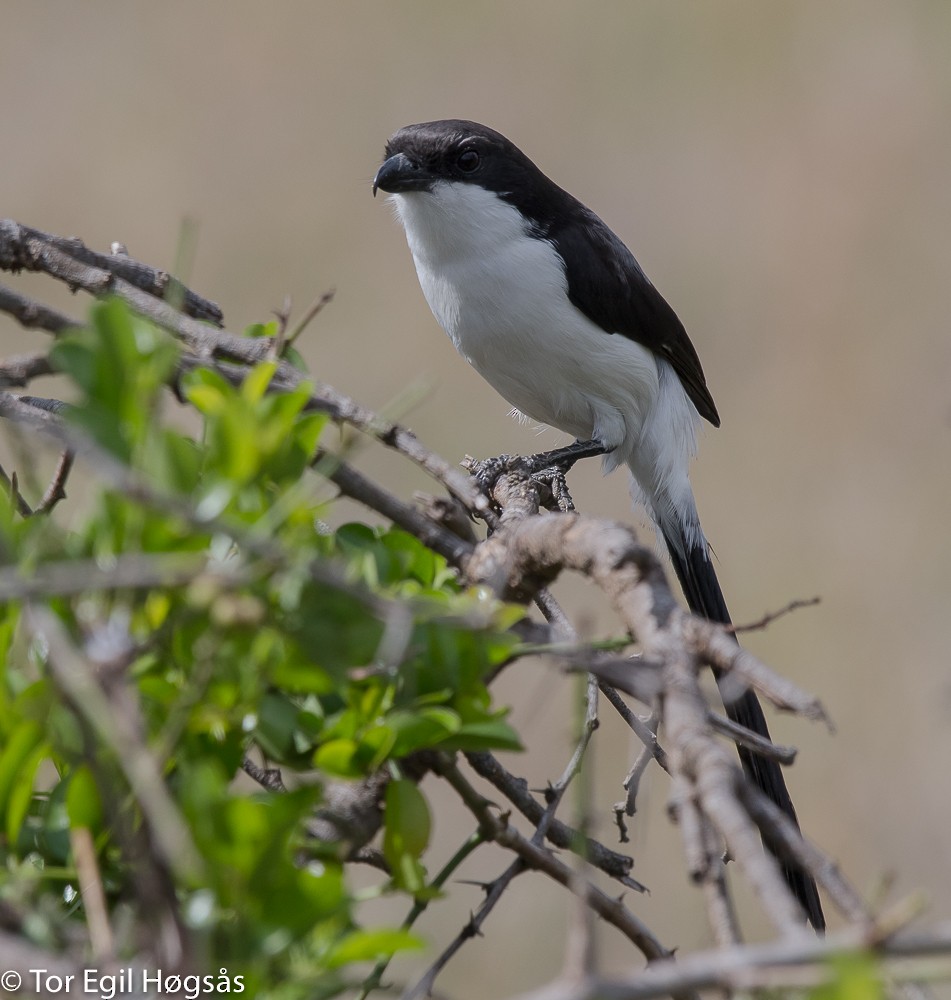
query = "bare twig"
x=496 y=828
x=283 y=316
x=56 y=490
x=546 y=825
x=93 y=896
x=493 y=893
x=772 y=616
x=20 y=369
x=13 y=488
x=30 y=249
x=747 y=738
x=515 y=789
x=362 y=489
x=133 y=570
x=310 y=314
x=267 y=777
x=714 y=644
x=373 y=981
x=495 y=890
x=786 y=964
x=34 y=315
x=581 y=956
x=565 y=632
x=780 y=831
x=632 y=782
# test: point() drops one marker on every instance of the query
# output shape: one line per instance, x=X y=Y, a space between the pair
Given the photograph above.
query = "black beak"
x=399 y=173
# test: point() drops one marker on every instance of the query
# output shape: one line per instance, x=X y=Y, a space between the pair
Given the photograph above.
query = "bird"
x=553 y=310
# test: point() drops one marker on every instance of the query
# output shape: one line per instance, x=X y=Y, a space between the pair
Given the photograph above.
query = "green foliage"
x=336 y=653
x=855 y=977
x=408 y=826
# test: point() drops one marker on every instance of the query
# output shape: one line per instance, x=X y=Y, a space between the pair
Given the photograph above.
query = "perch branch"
x=529 y=551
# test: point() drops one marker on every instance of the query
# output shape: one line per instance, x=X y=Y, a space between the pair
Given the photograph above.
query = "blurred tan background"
x=783 y=173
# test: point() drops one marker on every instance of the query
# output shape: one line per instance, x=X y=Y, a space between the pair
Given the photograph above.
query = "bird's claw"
x=555 y=488
x=547 y=469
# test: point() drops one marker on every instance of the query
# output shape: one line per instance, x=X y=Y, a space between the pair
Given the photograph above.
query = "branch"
x=633 y=780
x=341 y=408
x=516 y=791
x=472 y=928
x=534 y=856
x=20 y=369
x=108 y=709
x=33 y=315
x=56 y=491
x=530 y=549
x=566 y=632
x=770 y=617
x=29 y=249
x=546 y=825
x=710 y=798
x=782 y=965
x=358 y=487
x=144 y=289
x=373 y=981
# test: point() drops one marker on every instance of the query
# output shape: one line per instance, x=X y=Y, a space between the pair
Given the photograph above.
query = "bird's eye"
x=468 y=160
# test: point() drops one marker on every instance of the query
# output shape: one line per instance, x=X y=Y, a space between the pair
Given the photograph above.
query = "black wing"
x=608 y=285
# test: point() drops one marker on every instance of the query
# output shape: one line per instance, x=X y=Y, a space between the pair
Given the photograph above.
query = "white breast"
x=501 y=295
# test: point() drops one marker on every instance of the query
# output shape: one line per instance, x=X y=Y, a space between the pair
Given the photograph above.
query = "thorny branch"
x=531 y=546
x=525 y=553
x=498 y=829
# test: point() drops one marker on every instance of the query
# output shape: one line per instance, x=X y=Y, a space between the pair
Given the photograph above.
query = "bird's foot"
x=553 y=488
x=564 y=458
x=547 y=469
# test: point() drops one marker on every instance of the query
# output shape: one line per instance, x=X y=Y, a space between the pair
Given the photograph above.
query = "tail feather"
x=702 y=590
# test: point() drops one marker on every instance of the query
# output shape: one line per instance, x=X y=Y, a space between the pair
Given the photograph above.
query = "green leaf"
x=83 y=805
x=257 y=380
x=120 y=362
x=336 y=626
x=371 y=946
x=407 y=827
x=22 y=793
x=207 y=390
x=22 y=741
x=490 y=734
x=54 y=831
x=856 y=977
x=429 y=727
x=268 y=329
x=301 y=676
x=339 y=757
x=277 y=720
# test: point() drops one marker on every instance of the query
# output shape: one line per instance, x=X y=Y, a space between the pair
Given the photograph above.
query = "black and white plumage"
x=553 y=310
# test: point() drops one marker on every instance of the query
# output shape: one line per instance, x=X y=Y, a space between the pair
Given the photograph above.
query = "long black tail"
x=702 y=590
